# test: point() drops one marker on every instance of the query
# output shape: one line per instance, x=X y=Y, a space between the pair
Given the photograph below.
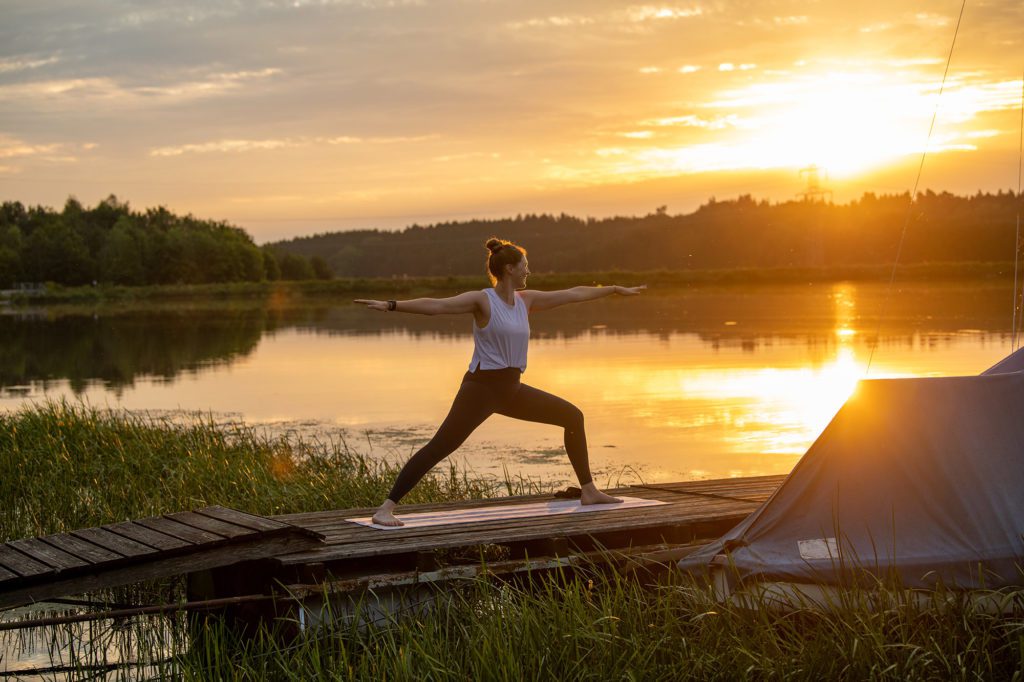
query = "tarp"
x=917 y=478
x=1014 y=362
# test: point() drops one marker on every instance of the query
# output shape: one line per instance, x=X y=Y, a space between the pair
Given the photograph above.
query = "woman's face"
x=519 y=272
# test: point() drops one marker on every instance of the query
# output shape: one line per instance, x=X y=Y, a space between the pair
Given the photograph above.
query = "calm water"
x=675 y=385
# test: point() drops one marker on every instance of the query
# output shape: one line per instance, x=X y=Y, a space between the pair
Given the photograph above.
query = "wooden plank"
x=47 y=554
x=201 y=559
x=180 y=530
x=6 y=575
x=82 y=549
x=760 y=486
x=146 y=536
x=113 y=542
x=379 y=547
x=16 y=562
x=210 y=525
x=619 y=518
x=242 y=518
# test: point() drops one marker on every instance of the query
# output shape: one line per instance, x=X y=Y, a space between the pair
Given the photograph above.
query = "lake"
x=679 y=384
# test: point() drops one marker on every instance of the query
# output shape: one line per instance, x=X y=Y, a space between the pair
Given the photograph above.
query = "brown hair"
x=499 y=254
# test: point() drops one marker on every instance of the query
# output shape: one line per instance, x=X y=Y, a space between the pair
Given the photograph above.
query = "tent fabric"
x=1014 y=362
x=920 y=479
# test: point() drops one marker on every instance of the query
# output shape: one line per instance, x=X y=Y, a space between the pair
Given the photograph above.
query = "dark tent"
x=1011 y=363
x=918 y=478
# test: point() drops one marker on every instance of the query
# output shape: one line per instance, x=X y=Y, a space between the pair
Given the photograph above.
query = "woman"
x=501 y=332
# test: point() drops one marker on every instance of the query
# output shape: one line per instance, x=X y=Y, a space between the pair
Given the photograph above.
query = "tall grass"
x=597 y=626
x=64 y=466
x=68 y=465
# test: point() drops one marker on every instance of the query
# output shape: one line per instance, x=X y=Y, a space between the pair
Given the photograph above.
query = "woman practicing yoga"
x=501 y=332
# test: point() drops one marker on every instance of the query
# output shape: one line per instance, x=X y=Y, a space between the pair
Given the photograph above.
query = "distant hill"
x=741 y=232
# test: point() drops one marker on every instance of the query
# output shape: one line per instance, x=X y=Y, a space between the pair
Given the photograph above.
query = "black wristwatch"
x=392 y=305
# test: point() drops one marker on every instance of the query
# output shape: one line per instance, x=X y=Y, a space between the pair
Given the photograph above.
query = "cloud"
x=689 y=68
x=12 y=148
x=213 y=84
x=693 y=121
x=632 y=15
x=235 y=146
x=75 y=89
x=644 y=13
x=931 y=20
x=221 y=146
x=348 y=139
x=14 y=64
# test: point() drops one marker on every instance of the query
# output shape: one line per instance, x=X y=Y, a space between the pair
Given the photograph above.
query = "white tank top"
x=502 y=343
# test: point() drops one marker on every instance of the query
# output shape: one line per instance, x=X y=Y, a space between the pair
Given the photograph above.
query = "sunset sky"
x=290 y=118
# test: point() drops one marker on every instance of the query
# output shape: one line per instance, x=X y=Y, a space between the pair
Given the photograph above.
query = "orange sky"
x=289 y=118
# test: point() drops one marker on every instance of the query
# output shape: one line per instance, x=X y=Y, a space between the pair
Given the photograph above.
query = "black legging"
x=483 y=393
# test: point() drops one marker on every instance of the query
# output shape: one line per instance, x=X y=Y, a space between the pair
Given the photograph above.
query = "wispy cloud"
x=75 y=89
x=221 y=146
x=213 y=84
x=632 y=15
x=932 y=20
x=14 y=64
x=15 y=149
x=235 y=146
x=350 y=139
x=660 y=12
x=694 y=121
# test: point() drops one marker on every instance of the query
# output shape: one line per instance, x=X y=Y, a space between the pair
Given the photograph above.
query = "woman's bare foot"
x=385 y=515
x=591 y=495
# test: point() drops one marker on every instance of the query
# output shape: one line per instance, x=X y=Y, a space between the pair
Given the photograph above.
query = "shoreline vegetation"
x=425 y=286
x=68 y=465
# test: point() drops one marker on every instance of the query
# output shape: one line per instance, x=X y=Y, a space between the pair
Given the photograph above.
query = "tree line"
x=735 y=233
x=112 y=244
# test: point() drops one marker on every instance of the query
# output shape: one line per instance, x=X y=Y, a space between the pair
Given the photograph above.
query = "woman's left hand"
x=630 y=291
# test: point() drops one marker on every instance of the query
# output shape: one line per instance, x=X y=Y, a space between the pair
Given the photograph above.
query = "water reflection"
x=682 y=384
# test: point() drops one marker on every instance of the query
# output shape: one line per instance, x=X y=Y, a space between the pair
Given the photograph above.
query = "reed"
x=595 y=625
x=66 y=465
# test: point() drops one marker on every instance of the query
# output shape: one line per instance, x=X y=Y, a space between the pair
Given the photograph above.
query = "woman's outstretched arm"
x=546 y=300
x=468 y=302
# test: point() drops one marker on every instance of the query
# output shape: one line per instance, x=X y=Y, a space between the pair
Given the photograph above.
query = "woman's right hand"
x=373 y=305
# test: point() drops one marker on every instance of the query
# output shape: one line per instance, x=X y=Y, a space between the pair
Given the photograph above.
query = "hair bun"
x=493 y=244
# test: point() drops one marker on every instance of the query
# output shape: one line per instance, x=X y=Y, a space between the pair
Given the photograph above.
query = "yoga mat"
x=511 y=511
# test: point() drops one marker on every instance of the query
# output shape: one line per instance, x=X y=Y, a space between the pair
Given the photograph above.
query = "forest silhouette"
x=112 y=244
x=736 y=233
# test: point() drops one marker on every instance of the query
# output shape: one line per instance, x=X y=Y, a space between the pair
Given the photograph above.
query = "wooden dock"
x=36 y=569
x=226 y=553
